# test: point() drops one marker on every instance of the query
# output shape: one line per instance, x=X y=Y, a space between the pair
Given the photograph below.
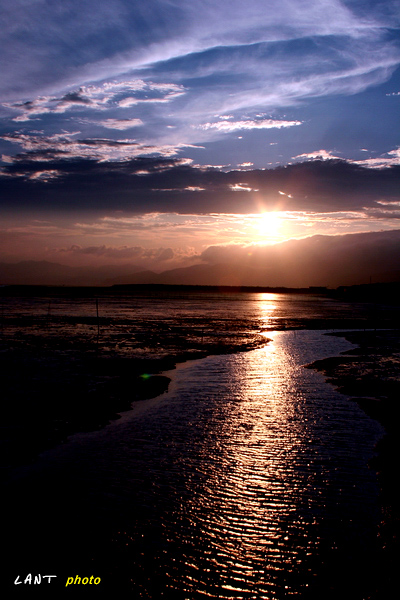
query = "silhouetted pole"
x=97 y=314
x=48 y=314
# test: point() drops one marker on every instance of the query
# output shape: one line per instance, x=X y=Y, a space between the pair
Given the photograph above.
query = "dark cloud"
x=39 y=147
x=42 y=181
x=76 y=97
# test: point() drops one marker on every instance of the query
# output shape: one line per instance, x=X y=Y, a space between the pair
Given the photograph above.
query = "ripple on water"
x=248 y=479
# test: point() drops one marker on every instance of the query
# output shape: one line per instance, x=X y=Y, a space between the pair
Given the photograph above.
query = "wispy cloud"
x=130 y=57
x=119 y=35
x=45 y=175
x=66 y=145
x=120 y=252
x=391 y=158
x=121 y=124
x=227 y=126
x=317 y=155
x=102 y=97
x=241 y=187
x=143 y=107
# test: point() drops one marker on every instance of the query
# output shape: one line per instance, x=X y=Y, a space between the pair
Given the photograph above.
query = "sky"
x=150 y=132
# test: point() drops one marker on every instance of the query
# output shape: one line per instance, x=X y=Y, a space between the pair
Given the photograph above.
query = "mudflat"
x=370 y=375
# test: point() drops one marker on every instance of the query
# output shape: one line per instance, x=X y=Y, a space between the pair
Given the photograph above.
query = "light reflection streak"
x=247 y=513
x=233 y=462
x=253 y=528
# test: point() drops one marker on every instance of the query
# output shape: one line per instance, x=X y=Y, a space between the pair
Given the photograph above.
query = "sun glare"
x=268 y=224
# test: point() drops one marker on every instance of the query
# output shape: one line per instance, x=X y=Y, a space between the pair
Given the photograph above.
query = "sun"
x=268 y=224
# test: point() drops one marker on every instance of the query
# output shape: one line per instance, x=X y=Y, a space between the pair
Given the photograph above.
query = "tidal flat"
x=137 y=487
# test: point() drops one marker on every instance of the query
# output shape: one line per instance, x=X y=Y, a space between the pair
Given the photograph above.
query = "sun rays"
x=268 y=225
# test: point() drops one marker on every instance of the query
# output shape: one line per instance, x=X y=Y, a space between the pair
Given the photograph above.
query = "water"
x=249 y=478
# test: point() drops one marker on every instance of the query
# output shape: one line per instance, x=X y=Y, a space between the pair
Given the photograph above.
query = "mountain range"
x=328 y=261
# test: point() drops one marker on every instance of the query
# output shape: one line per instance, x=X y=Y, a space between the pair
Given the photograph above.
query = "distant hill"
x=33 y=272
x=328 y=261
x=141 y=277
x=320 y=260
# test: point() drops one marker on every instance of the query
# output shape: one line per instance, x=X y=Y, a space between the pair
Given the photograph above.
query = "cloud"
x=130 y=101
x=227 y=126
x=240 y=187
x=120 y=253
x=88 y=178
x=32 y=109
x=392 y=158
x=45 y=175
x=64 y=146
x=106 y=96
x=175 y=81
x=317 y=155
x=121 y=124
x=118 y=54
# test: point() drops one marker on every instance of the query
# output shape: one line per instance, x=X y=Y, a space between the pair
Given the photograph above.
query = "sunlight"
x=268 y=224
x=268 y=306
x=262 y=434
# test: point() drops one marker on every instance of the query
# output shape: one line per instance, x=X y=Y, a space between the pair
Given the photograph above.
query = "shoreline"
x=369 y=375
x=52 y=394
x=53 y=391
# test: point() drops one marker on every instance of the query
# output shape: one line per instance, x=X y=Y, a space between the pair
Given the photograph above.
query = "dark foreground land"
x=55 y=386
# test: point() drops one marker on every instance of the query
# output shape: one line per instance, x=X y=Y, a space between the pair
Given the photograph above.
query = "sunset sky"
x=148 y=131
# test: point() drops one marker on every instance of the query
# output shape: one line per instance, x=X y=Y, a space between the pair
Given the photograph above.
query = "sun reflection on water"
x=245 y=458
x=268 y=306
x=247 y=514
